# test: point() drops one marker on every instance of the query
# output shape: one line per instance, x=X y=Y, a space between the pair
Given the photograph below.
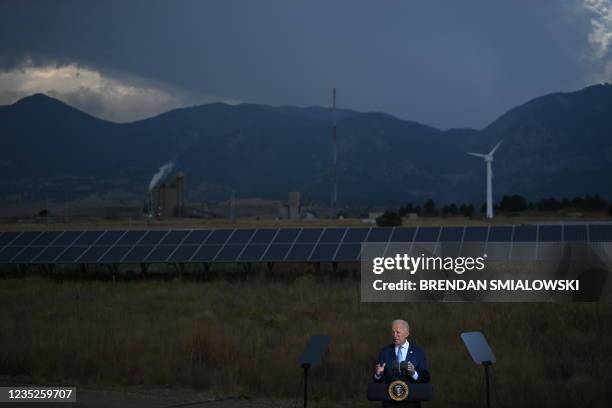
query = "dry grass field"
x=231 y=337
x=228 y=337
x=100 y=223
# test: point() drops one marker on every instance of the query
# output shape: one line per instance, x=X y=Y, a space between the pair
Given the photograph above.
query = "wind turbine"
x=488 y=158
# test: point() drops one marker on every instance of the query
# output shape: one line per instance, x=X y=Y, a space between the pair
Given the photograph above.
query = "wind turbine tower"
x=488 y=158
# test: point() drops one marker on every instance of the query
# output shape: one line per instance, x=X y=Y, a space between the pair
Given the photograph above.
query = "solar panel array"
x=259 y=245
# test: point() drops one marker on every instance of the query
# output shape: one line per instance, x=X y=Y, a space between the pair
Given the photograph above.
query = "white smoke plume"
x=161 y=174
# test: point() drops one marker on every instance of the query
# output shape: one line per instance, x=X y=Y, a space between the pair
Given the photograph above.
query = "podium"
x=417 y=392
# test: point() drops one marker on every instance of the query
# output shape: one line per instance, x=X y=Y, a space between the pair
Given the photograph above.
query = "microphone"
x=395 y=369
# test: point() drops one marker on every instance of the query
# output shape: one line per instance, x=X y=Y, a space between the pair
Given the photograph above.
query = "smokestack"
x=180 y=194
x=334 y=201
x=161 y=174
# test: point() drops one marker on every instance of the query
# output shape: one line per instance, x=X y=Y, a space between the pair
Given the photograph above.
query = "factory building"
x=292 y=209
x=167 y=198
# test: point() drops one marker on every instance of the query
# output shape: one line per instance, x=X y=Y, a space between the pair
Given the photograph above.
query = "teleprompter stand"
x=311 y=357
x=481 y=353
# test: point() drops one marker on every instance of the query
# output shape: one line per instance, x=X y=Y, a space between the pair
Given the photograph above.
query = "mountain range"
x=556 y=145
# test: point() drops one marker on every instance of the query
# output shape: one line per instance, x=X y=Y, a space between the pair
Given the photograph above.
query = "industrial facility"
x=292 y=209
x=167 y=199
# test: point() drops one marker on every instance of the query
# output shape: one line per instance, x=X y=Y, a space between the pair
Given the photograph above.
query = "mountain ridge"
x=556 y=144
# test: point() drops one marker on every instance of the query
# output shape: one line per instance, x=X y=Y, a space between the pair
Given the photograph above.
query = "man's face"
x=400 y=333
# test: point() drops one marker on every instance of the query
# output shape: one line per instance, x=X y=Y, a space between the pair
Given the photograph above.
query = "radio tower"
x=334 y=201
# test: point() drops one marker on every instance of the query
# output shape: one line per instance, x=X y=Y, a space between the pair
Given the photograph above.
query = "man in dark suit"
x=401 y=351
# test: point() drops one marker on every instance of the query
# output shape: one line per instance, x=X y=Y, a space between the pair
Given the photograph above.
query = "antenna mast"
x=334 y=200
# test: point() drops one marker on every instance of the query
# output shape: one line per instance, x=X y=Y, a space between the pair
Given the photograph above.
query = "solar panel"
x=286 y=236
x=575 y=233
x=174 y=237
x=206 y=253
x=109 y=238
x=500 y=234
x=131 y=237
x=309 y=235
x=49 y=254
x=8 y=237
x=300 y=252
x=525 y=233
x=93 y=254
x=88 y=238
x=46 y=238
x=115 y=254
x=183 y=253
x=347 y=252
x=253 y=253
x=229 y=253
x=427 y=234
x=71 y=254
x=152 y=237
x=333 y=244
x=380 y=235
x=197 y=237
x=25 y=238
x=451 y=234
x=276 y=252
x=67 y=238
x=356 y=235
x=332 y=235
x=475 y=234
x=241 y=236
x=28 y=254
x=523 y=248
x=600 y=233
x=160 y=253
x=138 y=254
x=9 y=253
x=324 y=252
x=263 y=236
x=403 y=235
x=549 y=233
x=219 y=236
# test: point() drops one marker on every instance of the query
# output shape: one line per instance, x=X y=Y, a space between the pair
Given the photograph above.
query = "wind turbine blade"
x=482 y=156
x=494 y=149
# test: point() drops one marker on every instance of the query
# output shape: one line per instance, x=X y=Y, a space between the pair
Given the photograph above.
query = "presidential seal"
x=398 y=390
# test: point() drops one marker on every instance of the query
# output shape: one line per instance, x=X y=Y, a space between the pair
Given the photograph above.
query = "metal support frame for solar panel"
x=266 y=245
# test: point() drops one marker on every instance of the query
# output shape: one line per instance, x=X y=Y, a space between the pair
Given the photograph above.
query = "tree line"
x=508 y=205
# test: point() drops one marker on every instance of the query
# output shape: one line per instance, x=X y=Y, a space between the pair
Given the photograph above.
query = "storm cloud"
x=446 y=64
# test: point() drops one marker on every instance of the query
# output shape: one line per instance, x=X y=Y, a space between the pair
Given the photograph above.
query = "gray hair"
x=402 y=322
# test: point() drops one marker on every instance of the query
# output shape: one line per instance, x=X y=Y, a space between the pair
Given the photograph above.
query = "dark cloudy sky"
x=443 y=63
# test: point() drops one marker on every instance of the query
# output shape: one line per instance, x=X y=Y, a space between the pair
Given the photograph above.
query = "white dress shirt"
x=404 y=348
